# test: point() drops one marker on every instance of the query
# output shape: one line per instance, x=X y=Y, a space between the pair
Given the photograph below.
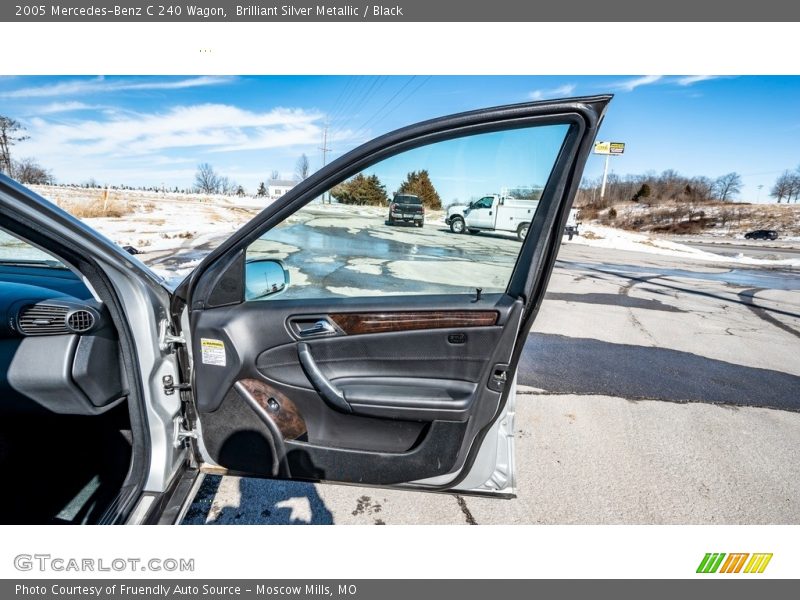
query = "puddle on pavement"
x=338 y=247
x=339 y=242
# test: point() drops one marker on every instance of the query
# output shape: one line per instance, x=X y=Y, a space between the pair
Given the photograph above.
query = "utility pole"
x=605 y=177
x=325 y=151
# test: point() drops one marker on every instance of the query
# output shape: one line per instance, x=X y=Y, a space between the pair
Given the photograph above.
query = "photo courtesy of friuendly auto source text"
x=320 y=299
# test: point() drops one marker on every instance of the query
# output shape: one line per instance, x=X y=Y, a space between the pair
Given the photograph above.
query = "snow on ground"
x=171 y=230
x=618 y=239
x=174 y=232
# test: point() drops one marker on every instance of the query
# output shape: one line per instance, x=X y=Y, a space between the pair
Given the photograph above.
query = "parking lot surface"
x=654 y=389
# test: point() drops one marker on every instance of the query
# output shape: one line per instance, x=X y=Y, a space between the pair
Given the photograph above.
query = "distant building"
x=278 y=187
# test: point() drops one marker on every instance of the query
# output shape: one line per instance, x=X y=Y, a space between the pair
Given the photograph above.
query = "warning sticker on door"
x=212 y=352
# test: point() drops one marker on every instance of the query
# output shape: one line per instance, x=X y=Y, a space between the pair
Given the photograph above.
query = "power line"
x=385 y=104
x=347 y=103
x=360 y=104
x=334 y=113
x=365 y=127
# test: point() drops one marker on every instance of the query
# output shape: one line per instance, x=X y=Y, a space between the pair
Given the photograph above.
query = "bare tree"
x=794 y=186
x=666 y=186
x=206 y=180
x=10 y=133
x=783 y=187
x=302 y=168
x=702 y=189
x=227 y=186
x=274 y=175
x=28 y=171
x=727 y=186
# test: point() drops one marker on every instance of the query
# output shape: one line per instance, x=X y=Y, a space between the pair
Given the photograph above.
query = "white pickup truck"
x=499 y=213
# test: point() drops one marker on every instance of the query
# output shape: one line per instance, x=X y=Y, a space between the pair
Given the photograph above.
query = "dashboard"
x=59 y=350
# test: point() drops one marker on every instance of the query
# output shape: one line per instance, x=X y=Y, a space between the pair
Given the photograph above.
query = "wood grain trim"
x=287 y=417
x=358 y=323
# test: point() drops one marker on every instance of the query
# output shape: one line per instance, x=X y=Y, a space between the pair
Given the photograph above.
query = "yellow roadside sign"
x=609 y=147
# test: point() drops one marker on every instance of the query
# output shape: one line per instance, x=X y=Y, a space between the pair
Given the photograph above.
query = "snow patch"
x=599 y=236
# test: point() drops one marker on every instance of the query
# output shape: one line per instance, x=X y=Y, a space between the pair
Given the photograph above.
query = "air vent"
x=43 y=319
x=80 y=321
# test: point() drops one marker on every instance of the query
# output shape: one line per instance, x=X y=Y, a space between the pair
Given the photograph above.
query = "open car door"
x=328 y=342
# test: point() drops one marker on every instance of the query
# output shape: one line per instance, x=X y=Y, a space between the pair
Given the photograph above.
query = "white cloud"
x=61 y=107
x=215 y=127
x=692 y=79
x=631 y=84
x=128 y=147
x=102 y=85
x=563 y=90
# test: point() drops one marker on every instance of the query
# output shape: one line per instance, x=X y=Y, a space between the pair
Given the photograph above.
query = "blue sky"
x=469 y=168
x=155 y=130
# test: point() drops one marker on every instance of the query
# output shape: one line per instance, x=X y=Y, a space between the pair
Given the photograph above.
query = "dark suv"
x=406 y=208
x=762 y=234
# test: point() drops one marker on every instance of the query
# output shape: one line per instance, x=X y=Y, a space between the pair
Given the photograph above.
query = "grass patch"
x=97 y=207
x=685 y=227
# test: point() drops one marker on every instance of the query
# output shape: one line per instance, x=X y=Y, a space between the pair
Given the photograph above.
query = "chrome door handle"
x=317 y=328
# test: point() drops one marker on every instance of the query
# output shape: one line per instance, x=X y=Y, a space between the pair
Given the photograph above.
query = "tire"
x=457 y=225
x=474 y=231
x=390 y=221
x=420 y=224
x=522 y=231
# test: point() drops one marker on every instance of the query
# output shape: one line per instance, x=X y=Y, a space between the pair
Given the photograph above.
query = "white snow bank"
x=607 y=237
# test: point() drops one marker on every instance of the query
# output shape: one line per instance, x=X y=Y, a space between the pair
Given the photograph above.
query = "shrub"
x=87 y=208
x=589 y=212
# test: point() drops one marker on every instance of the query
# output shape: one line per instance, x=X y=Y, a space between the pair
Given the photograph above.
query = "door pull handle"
x=318 y=328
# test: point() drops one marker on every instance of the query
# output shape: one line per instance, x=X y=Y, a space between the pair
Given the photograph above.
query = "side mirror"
x=264 y=277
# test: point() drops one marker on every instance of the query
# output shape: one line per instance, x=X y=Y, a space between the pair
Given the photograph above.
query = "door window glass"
x=402 y=225
x=18 y=252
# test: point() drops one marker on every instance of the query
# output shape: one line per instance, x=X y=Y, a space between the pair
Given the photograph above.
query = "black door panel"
x=239 y=438
x=423 y=354
x=412 y=395
x=251 y=329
